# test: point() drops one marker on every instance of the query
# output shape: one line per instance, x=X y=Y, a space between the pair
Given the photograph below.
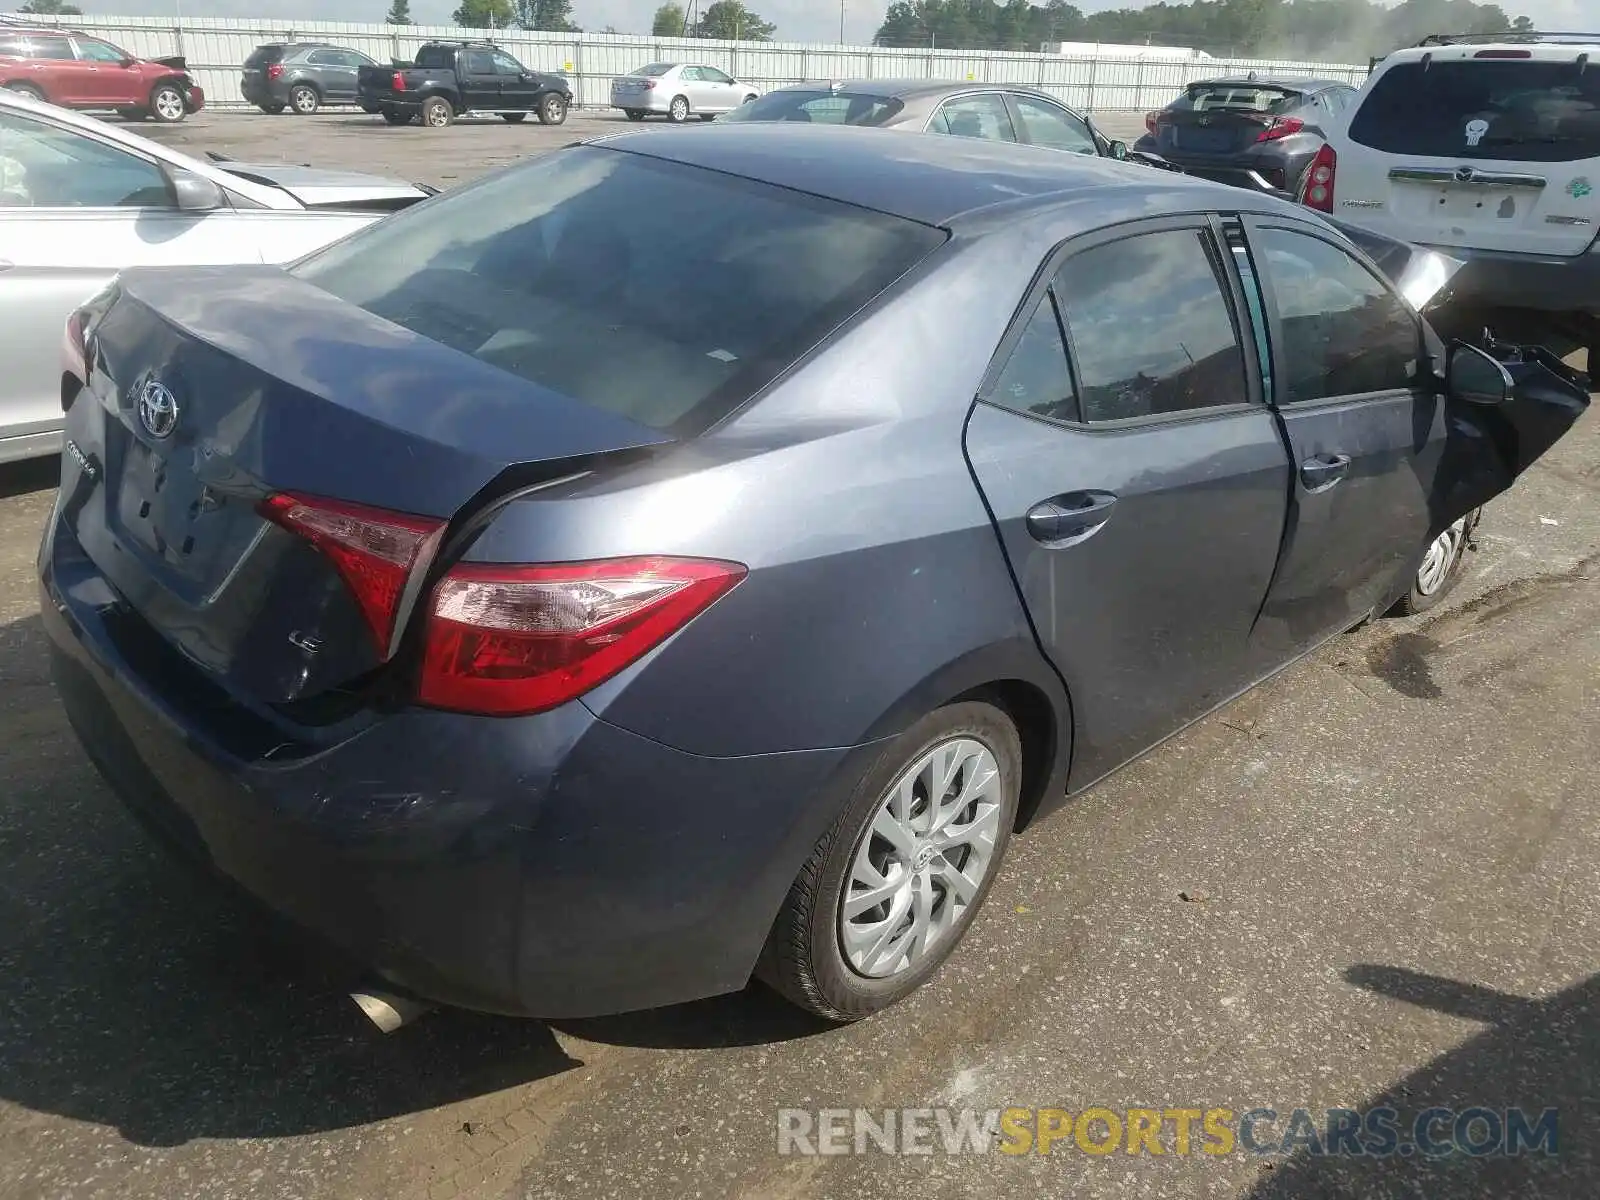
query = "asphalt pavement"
x=1369 y=882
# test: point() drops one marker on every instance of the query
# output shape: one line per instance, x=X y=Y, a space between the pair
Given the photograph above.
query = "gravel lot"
x=1390 y=855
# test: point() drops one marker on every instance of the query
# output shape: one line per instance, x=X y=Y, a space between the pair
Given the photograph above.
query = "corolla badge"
x=158 y=409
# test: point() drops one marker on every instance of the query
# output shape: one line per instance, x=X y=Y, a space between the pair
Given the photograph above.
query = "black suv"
x=302 y=76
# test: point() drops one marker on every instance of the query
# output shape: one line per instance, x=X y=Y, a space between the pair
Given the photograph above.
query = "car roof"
x=930 y=179
x=906 y=89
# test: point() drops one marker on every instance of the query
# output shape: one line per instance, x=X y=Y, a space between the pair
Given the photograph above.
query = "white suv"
x=1488 y=149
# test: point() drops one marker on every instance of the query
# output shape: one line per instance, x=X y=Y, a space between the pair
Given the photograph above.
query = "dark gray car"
x=561 y=650
x=301 y=76
x=1256 y=131
x=992 y=112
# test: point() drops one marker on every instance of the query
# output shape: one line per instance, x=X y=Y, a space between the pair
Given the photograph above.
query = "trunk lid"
x=1185 y=132
x=252 y=384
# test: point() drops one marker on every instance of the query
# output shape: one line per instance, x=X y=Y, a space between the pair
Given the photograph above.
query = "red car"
x=76 y=71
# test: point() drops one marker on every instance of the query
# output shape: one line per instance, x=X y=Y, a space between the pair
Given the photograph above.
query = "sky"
x=797 y=20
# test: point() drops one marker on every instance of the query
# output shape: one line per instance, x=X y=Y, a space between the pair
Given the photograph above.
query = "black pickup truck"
x=451 y=79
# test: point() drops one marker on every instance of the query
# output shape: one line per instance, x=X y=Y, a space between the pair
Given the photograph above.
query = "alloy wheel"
x=922 y=861
x=168 y=104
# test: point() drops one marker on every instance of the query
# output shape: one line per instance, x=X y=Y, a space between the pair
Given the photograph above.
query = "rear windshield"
x=653 y=69
x=262 y=55
x=667 y=294
x=820 y=107
x=1231 y=97
x=1524 y=111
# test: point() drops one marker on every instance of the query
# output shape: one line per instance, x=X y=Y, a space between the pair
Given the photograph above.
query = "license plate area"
x=171 y=514
x=1202 y=140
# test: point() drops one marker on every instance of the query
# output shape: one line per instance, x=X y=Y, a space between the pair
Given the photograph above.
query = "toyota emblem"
x=158 y=410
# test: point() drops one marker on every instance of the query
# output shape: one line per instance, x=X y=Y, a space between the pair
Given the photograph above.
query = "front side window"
x=983 y=116
x=1343 y=331
x=712 y=75
x=1522 y=110
x=1056 y=128
x=100 y=52
x=555 y=272
x=506 y=65
x=42 y=166
x=1151 y=327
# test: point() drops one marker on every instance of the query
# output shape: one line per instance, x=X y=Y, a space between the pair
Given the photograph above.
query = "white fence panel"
x=216 y=48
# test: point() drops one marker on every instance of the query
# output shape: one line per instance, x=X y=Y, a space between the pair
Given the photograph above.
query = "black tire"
x=678 y=110
x=513 y=118
x=708 y=116
x=633 y=114
x=395 y=117
x=272 y=109
x=168 y=104
x=438 y=113
x=28 y=90
x=304 y=99
x=553 y=110
x=1430 y=584
x=134 y=114
x=802 y=959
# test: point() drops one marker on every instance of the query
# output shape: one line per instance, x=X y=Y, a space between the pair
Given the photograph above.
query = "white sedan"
x=81 y=199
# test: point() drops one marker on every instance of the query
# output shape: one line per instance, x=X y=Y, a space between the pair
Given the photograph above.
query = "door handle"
x=1324 y=470
x=1069 y=518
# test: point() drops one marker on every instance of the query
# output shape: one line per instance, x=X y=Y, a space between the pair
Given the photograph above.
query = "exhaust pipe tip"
x=388 y=1011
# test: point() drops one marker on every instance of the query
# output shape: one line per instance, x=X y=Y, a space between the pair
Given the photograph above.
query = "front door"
x=1137 y=480
x=1353 y=385
x=720 y=91
x=106 y=79
x=518 y=88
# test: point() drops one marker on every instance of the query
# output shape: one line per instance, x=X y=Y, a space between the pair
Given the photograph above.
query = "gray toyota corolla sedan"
x=561 y=650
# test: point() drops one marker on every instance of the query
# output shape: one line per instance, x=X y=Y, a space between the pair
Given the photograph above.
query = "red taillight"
x=1316 y=185
x=512 y=640
x=399 y=81
x=1150 y=119
x=275 y=71
x=649 y=85
x=1281 y=127
x=375 y=552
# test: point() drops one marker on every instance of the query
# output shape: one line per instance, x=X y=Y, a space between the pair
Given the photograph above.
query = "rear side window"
x=1036 y=379
x=436 y=57
x=818 y=108
x=982 y=116
x=1521 y=110
x=1344 y=333
x=1152 y=329
x=671 y=313
x=263 y=56
x=56 y=48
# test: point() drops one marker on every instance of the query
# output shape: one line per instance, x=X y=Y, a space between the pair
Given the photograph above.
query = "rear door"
x=335 y=73
x=57 y=71
x=1353 y=386
x=1138 y=482
x=976 y=115
x=1488 y=153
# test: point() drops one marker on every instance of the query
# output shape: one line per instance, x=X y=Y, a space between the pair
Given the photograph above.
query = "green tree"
x=484 y=14
x=669 y=21
x=399 y=13
x=51 y=8
x=731 y=21
x=552 y=15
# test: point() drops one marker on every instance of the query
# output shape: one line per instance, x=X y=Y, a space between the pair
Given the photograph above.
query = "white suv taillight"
x=513 y=640
x=1316 y=185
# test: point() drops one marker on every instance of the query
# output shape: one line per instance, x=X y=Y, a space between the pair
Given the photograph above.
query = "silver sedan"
x=81 y=199
x=678 y=91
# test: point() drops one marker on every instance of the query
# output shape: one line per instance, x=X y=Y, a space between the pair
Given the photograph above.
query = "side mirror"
x=194 y=193
x=1476 y=377
x=129 y=61
x=1119 y=151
